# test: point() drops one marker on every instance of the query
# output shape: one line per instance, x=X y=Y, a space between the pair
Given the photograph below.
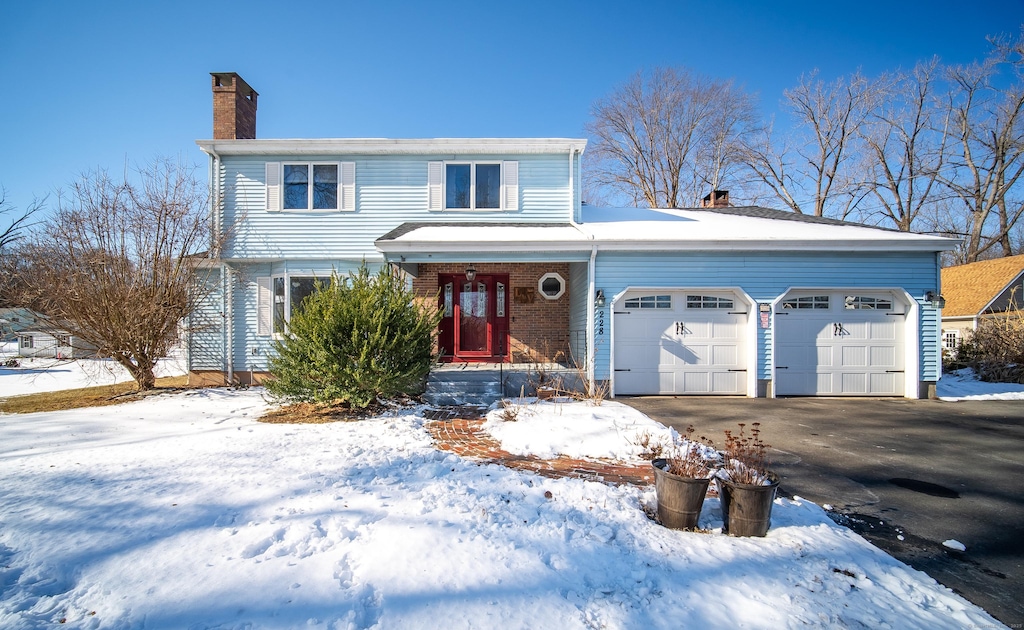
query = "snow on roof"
x=653 y=229
x=746 y=228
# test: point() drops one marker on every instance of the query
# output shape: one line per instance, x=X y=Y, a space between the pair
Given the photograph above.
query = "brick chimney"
x=234 y=107
x=716 y=199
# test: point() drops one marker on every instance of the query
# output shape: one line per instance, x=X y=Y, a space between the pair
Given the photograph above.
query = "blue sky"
x=105 y=84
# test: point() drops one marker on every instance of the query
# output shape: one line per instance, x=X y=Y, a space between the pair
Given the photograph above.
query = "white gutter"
x=391 y=146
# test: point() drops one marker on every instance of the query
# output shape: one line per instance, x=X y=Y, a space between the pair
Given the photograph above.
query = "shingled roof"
x=968 y=289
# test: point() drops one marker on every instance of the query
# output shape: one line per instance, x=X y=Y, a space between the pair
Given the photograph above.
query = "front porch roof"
x=447 y=238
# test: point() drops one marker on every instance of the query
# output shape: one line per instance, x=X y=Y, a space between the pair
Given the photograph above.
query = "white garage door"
x=839 y=344
x=680 y=342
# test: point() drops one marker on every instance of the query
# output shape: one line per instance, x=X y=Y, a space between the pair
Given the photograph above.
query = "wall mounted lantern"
x=599 y=298
x=935 y=299
x=470 y=273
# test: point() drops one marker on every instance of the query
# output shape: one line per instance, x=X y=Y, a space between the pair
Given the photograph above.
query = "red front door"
x=474 y=326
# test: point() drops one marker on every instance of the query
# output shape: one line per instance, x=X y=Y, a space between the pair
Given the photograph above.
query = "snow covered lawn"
x=181 y=511
x=34 y=376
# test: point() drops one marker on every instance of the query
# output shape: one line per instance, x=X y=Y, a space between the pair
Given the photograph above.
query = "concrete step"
x=452 y=391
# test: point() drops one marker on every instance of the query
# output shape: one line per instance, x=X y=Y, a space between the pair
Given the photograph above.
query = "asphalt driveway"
x=908 y=475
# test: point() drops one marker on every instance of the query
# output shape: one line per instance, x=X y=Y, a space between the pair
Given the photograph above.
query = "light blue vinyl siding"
x=206 y=324
x=764 y=276
x=251 y=351
x=579 y=289
x=390 y=190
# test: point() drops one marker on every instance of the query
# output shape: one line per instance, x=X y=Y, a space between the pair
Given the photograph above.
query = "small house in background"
x=978 y=291
x=15 y=320
x=48 y=342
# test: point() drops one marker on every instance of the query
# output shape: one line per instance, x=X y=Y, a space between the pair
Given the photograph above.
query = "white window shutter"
x=264 y=306
x=435 y=177
x=273 y=186
x=347 y=196
x=510 y=183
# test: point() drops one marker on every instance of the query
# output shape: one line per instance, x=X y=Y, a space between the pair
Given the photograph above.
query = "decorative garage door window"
x=708 y=301
x=650 y=301
x=808 y=302
x=863 y=303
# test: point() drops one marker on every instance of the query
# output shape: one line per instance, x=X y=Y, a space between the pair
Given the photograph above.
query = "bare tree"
x=987 y=163
x=808 y=171
x=12 y=229
x=115 y=264
x=904 y=138
x=667 y=135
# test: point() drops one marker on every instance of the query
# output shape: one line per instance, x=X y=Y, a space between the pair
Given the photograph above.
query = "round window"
x=551 y=286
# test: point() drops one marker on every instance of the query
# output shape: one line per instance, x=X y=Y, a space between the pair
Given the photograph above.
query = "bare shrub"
x=995 y=351
x=746 y=456
x=693 y=458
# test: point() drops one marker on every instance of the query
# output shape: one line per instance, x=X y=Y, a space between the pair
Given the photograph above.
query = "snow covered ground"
x=50 y=375
x=964 y=385
x=182 y=511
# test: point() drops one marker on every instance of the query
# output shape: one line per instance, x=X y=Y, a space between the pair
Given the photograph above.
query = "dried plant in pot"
x=681 y=480
x=746 y=486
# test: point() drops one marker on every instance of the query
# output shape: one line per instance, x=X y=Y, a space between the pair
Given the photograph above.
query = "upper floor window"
x=473 y=185
x=310 y=186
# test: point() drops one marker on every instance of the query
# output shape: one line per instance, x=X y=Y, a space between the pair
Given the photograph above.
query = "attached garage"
x=841 y=343
x=678 y=341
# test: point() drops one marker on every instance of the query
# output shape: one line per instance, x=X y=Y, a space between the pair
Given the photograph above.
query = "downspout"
x=227 y=289
x=229 y=323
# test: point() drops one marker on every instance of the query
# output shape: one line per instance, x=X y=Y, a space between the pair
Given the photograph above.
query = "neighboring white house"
x=52 y=344
x=725 y=300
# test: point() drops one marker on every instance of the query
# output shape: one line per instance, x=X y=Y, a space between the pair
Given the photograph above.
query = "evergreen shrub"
x=355 y=340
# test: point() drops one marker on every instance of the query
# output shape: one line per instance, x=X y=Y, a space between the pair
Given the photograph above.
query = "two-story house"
x=712 y=300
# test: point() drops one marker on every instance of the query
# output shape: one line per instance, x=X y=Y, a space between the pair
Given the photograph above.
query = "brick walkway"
x=466 y=438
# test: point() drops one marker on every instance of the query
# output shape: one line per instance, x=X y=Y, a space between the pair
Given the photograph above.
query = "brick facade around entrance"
x=538 y=327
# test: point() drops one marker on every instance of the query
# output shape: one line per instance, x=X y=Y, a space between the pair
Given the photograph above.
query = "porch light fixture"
x=935 y=299
x=599 y=298
x=470 y=273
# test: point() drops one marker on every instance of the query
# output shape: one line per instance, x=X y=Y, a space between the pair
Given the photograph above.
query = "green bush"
x=355 y=340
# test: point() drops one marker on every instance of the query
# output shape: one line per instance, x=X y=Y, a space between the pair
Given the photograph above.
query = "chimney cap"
x=225 y=80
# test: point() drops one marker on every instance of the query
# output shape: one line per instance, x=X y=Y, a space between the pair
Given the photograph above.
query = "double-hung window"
x=482 y=185
x=475 y=186
x=311 y=186
x=278 y=297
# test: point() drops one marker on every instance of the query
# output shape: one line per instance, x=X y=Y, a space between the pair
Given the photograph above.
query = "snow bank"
x=181 y=511
x=964 y=385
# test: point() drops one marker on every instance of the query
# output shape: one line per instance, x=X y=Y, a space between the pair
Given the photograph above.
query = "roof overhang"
x=397 y=146
x=521 y=239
